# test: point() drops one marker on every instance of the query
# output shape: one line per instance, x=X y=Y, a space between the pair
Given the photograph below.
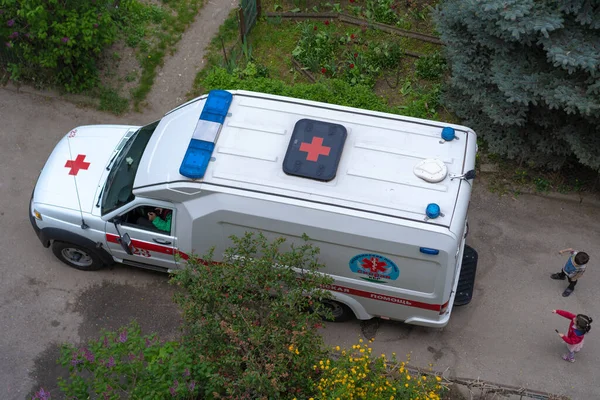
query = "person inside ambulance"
x=158 y=219
x=161 y=223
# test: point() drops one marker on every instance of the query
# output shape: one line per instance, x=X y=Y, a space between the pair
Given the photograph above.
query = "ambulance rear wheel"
x=339 y=311
x=77 y=256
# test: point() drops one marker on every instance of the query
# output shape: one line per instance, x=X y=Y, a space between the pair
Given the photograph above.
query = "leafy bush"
x=383 y=11
x=385 y=55
x=333 y=91
x=355 y=373
x=423 y=104
x=358 y=70
x=249 y=316
x=125 y=363
x=431 y=66
x=57 y=41
x=316 y=46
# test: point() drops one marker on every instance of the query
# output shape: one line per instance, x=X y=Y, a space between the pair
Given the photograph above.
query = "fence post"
x=242 y=24
x=258 y=8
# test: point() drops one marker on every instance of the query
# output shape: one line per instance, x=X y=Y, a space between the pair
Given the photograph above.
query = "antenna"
x=83 y=224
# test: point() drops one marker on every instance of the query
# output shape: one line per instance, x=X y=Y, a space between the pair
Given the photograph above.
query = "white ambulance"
x=383 y=196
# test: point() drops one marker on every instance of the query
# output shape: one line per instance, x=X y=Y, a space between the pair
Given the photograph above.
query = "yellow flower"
x=297 y=352
x=406 y=384
x=408 y=377
x=424 y=377
x=337 y=348
x=360 y=340
x=437 y=378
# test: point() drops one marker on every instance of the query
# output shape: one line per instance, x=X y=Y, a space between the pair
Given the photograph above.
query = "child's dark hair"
x=581 y=258
x=584 y=322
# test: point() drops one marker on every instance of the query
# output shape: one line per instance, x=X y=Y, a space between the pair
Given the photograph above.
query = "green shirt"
x=161 y=224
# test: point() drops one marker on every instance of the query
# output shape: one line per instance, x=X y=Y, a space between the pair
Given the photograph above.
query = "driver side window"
x=150 y=218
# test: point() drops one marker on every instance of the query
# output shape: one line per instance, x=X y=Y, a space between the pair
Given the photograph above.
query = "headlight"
x=37 y=214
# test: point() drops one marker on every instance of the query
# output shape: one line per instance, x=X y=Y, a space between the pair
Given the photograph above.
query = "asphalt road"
x=505 y=335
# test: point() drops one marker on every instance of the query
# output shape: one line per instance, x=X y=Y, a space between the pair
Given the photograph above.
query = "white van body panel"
x=369 y=221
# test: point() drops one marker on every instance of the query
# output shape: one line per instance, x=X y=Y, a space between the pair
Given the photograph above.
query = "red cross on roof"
x=77 y=164
x=315 y=149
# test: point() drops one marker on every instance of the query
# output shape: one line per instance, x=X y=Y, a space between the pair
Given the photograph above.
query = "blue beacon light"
x=199 y=151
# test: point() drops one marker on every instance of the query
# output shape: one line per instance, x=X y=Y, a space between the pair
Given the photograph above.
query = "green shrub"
x=249 y=316
x=126 y=364
x=422 y=104
x=333 y=91
x=57 y=41
x=431 y=66
x=385 y=55
x=316 y=47
x=382 y=11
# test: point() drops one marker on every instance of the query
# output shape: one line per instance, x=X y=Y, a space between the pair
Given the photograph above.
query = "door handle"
x=161 y=241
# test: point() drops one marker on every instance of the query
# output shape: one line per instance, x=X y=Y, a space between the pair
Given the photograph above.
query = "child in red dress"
x=579 y=326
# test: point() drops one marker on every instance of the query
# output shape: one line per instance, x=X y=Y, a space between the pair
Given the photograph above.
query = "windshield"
x=119 y=184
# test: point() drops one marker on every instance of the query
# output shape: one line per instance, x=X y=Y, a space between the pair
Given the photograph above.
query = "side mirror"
x=125 y=242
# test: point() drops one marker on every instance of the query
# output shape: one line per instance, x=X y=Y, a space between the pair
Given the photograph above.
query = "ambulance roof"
x=376 y=158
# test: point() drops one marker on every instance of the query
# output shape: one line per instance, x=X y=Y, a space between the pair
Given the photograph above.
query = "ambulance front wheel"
x=77 y=256
x=340 y=312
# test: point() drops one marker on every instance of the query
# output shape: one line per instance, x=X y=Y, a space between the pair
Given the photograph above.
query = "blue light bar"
x=199 y=151
x=427 y=250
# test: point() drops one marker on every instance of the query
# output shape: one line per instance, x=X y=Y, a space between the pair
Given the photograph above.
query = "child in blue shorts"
x=573 y=269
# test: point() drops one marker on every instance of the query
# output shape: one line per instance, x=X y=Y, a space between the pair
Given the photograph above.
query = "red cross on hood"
x=81 y=156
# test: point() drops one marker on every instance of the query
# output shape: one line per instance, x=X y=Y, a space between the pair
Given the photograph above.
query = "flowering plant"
x=126 y=364
x=358 y=374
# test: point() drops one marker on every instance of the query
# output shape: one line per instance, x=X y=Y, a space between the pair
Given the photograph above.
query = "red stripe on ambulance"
x=112 y=238
x=383 y=297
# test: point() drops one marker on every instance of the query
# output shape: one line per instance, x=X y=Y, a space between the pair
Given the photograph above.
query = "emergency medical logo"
x=374 y=268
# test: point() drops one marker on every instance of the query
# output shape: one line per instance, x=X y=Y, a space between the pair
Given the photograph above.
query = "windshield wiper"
x=100 y=195
x=111 y=161
x=123 y=150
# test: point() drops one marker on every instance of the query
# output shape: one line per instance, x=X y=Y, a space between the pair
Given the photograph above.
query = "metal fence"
x=249 y=12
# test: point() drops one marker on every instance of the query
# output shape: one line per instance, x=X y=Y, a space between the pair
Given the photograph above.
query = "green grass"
x=164 y=37
x=111 y=101
x=412 y=15
x=420 y=100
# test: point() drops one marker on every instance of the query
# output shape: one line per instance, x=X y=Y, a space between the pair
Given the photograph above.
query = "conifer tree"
x=526 y=76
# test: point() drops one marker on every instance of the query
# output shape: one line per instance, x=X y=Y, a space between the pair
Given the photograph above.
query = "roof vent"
x=431 y=170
